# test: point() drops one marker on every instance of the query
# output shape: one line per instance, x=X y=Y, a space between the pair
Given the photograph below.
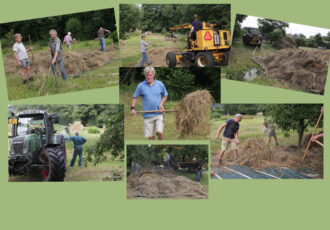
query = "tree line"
x=160 y=17
x=83 y=26
x=274 y=30
x=149 y=155
x=178 y=81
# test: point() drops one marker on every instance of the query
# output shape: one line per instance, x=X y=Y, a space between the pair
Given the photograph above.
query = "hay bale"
x=192 y=112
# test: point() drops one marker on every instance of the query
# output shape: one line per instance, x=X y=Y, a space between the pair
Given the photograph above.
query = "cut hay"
x=304 y=69
x=75 y=62
x=192 y=113
x=285 y=43
x=163 y=184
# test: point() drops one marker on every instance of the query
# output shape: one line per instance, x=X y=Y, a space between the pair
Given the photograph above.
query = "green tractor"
x=35 y=147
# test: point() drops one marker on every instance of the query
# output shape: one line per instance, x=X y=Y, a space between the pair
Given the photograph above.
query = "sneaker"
x=220 y=161
x=24 y=81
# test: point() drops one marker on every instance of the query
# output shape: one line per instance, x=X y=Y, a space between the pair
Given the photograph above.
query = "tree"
x=129 y=18
x=73 y=25
x=319 y=40
x=293 y=117
x=301 y=40
x=276 y=35
x=237 y=29
x=266 y=26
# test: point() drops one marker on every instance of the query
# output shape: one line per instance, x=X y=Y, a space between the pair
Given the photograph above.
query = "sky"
x=293 y=28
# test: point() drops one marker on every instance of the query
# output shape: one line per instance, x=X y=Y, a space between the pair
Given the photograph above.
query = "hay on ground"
x=304 y=69
x=75 y=62
x=192 y=112
x=163 y=184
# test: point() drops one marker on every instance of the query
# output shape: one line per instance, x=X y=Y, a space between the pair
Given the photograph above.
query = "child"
x=22 y=58
x=270 y=131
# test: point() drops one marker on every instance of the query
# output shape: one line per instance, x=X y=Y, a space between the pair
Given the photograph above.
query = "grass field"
x=251 y=127
x=134 y=124
x=100 y=172
x=130 y=52
x=104 y=76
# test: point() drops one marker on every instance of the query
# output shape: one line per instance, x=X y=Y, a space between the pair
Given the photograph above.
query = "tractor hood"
x=22 y=145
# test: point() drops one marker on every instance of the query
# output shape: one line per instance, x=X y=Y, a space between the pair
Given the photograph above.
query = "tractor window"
x=27 y=125
x=225 y=36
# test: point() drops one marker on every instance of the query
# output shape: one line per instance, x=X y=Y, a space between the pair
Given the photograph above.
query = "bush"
x=276 y=35
x=114 y=36
x=93 y=130
x=8 y=39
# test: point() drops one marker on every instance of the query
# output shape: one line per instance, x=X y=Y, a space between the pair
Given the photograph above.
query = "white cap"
x=69 y=33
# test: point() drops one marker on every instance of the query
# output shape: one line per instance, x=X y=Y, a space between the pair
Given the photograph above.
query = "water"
x=251 y=74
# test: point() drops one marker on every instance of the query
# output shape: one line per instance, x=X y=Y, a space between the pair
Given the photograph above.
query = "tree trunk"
x=300 y=137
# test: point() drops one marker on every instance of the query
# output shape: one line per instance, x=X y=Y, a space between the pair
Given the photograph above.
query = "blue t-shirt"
x=78 y=141
x=197 y=25
x=231 y=128
x=151 y=96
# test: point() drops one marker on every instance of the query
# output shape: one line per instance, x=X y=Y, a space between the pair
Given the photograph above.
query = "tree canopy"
x=83 y=26
x=160 y=17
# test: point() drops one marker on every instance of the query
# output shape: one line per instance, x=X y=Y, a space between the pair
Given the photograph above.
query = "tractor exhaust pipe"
x=216 y=39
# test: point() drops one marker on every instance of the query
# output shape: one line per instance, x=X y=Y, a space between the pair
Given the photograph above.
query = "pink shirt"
x=67 y=39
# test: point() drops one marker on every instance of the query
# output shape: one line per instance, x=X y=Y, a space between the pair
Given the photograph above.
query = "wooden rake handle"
x=156 y=111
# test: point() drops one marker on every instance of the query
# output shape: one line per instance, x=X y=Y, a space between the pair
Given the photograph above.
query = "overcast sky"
x=293 y=28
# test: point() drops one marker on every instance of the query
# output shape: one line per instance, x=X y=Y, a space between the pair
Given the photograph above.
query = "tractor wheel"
x=204 y=59
x=225 y=59
x=55 y=159
x=171 y=59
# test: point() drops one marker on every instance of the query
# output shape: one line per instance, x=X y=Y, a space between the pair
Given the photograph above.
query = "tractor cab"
x=211 y=46
x=252 y=36
x=34 y=144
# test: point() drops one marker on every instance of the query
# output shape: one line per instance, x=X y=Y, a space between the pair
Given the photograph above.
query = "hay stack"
x=192 y=112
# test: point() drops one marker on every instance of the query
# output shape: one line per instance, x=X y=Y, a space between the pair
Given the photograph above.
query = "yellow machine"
x=252 y=36
x=210 y=47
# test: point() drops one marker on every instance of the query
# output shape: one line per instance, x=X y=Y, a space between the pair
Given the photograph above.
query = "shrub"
x=93 y=130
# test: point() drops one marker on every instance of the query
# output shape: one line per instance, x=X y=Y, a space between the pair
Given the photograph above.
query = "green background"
x=232 y=204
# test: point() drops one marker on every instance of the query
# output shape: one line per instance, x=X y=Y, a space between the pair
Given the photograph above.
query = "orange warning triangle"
x=207 y=36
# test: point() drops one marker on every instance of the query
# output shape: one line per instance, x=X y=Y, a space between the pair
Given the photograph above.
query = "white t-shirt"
x=21 y=51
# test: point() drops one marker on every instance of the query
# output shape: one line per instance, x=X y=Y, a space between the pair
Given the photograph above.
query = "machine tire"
x=171 y=59
x=225 y=59
x=55 y=159
x=204 y=59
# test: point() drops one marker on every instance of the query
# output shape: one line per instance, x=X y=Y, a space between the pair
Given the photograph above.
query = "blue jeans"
x=61 y=66
x=77 y=151
x=144 y=58
x=198 y=175
x=166 y=165
x=102 y=42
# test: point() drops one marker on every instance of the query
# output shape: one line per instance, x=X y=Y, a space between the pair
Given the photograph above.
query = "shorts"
x=68 y=45
x=225 y=142
x=150 y=123
x=25 y=63
x=272 y=133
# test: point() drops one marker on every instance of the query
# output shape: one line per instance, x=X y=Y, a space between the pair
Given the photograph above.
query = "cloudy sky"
x=308 y=31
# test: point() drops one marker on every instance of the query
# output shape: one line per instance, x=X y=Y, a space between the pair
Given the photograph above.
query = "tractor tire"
x=225 y=59
x=171 y=59
x=54 y=157
x=204 y=59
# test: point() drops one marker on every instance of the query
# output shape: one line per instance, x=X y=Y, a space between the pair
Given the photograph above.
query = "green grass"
x=252 y=127
x=105 y=76
x=134 y=124
x=130 y=53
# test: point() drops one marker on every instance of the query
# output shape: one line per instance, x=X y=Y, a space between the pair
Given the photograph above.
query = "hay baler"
x=210 y=47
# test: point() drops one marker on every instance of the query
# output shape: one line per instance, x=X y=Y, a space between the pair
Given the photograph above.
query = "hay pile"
x=192 y=113
x=304 y=69
x=75 y=62
x=258 y=155
x=285 y=43
x=163 y=184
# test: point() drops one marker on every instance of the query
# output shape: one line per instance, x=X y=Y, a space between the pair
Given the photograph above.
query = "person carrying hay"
x=230 y=135
x=270 y=130
x=154 y=95
x=22 y=58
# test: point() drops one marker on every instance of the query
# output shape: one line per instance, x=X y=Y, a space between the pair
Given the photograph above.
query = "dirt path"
x=157 y=57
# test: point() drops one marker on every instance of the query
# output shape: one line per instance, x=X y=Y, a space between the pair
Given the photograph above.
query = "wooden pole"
x=319 y=143
x=310 y=140
x=31 y=49
x=155 y=111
